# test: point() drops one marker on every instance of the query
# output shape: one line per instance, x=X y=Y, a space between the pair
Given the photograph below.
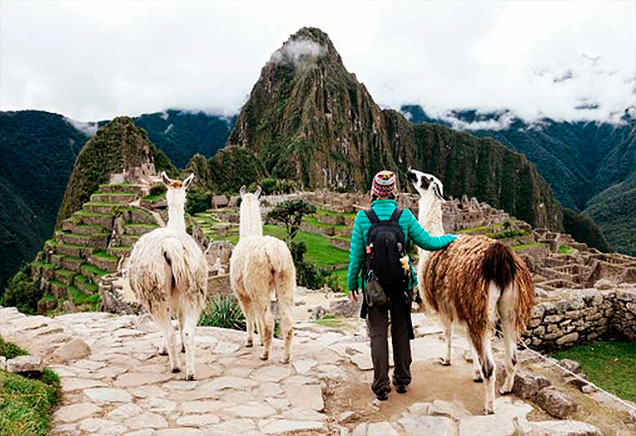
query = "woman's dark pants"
x=378 y=326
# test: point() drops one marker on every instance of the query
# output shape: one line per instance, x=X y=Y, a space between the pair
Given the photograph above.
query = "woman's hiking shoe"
x=400 y=389
x=383 y=396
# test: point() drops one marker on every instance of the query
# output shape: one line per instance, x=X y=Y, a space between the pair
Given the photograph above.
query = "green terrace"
x=81 y=252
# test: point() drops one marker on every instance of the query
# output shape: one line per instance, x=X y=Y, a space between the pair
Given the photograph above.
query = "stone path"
x=123 y=387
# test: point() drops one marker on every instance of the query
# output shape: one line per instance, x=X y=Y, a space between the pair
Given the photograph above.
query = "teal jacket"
x=411 y=228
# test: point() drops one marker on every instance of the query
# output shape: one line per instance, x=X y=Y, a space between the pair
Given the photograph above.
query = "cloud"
x=496 y=121
x=95 y=60
x=87 y=128
x=296 y=51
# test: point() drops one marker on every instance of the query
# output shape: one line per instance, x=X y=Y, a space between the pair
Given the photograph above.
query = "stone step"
x=123 y=198
x=119 y=251
x=56 y=259
x=55 y=288
x=103 y=208
x=74 y=250
x=142 y=216
x=92 y=272
x=94 y=218
x=85 y=285
x=122 y=187
x=128 y=240
x=88 y=229
x=64 y=276
x=72 y=263
x=97 y=240
x=104 y=261
x=138 y=229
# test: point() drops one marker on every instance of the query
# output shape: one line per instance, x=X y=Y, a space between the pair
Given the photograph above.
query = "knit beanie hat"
x=384 y=184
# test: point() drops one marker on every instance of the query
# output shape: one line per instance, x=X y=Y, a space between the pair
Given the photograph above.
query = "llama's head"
x=250 y=213
x=176 y=194
x=427 y=185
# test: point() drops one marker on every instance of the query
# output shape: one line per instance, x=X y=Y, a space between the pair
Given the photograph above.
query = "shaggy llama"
x=259 y=265
x=474 y=281
x=169 y=275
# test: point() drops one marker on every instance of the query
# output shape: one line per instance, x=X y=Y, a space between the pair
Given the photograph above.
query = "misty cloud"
x=96 y=60
x=296 y=51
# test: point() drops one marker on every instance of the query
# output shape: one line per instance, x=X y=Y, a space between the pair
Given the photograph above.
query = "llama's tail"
x=499 y=265
x=173 y=253
x=282 y=269
x=509 y=273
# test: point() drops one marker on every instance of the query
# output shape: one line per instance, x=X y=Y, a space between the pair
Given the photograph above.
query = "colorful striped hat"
x=384 y=184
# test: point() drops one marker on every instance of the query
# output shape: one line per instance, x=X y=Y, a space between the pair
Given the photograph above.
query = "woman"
x=383 y=209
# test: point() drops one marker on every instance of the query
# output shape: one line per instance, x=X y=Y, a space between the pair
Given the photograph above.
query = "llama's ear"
x=243 y=191
x=188 y=180
x=257 y=193
x=165 y=179
x=439 y=192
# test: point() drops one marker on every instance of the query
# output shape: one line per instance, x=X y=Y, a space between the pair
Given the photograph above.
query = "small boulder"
x=72 y=350
x=3 y=363
x=25 y=365
x=556 y=403
x=571 y=365
x=527 y=385
x=604 y=284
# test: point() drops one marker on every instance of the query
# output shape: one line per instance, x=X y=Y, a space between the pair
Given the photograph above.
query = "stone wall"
x=575 y=316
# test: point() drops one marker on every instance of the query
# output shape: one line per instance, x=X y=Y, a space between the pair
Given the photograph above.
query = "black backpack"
x=385 y=247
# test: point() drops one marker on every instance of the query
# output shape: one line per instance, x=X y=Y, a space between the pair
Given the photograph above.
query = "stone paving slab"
x=124 y=387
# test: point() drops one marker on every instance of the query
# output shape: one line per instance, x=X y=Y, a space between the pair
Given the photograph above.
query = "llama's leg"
x=506 y=307
x=287 y=321
x=477 y=376
x=267 y=320
x=487 y=360
x=248 y=311
x=189 y=327
x=181 y=327
x=165 y=325
x=260 y=328
x=447 y=326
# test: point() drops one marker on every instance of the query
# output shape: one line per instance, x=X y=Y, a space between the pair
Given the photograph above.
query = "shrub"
x=157 y=190
x=198 y=200
x=22 y=292
x=224 y=312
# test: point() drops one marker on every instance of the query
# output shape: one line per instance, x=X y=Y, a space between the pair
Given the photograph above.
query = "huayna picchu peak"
x=310 y=120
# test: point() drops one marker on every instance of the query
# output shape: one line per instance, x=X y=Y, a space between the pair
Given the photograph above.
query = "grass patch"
x=103 y=255
x=330 y=321
x=526 y=246
x=565 y=249
x=610 y=365
x=26 y=403
x=80 y=297
x=10 y=350
x=319 y=251
x=91 y=270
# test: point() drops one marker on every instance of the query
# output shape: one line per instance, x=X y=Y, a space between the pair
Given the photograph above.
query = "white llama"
x=474 y=281
x=169 y=275
x=259 y=265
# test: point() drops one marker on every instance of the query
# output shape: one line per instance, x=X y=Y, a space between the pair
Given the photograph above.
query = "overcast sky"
x=93 y=60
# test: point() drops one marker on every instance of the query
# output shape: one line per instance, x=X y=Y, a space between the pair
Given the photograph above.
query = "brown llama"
x=475 y=281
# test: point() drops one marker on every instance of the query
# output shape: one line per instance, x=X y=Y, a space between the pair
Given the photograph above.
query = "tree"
x=291 y=214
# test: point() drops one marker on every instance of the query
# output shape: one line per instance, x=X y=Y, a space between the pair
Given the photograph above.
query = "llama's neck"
x=176 y=218
x=430 y=215
x=251 y=223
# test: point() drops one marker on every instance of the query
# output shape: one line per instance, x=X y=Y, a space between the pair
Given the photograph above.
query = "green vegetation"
x=118 y=145
x=529 y=245
x=80 y=298
x=271 y=186
x=611 y=365
x=224 y=312
x=198 y=200
x=584 y=229
x=22 y=292
x=10 y=350
x=565 y=249
x=26 y=403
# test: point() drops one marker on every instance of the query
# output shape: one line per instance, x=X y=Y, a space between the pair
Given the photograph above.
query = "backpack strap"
x=372 y=216
x=395 y=217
